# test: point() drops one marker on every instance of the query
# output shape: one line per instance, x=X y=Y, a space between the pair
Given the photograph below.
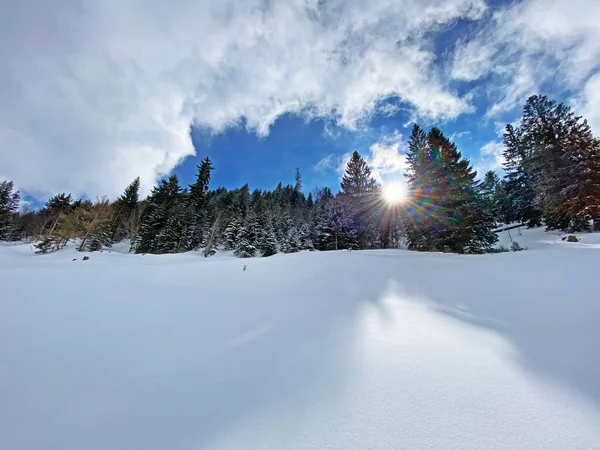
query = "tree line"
x=552 y=177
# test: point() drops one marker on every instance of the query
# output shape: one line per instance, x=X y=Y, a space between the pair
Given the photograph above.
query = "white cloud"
x=530 y=43
x=490 y=158
x=590 y=103
x=325 y=163
x=386 y=159
x=95 y=93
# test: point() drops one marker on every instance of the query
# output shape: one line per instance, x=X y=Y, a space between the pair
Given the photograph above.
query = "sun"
x=394 y=193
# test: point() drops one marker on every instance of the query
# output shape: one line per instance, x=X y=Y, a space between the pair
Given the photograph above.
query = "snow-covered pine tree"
x=268 y=243
x=292 y=242
x=246 y=244
x=160 y=231
x=9 y=204
x=304 y=234
x=230 y=235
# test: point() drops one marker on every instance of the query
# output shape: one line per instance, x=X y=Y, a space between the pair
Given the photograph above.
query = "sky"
x=94 y=94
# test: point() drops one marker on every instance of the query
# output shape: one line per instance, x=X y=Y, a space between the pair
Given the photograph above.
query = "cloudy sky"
x=94 y=93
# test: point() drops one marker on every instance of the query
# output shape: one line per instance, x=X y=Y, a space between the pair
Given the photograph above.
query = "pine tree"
x=125 y=206
x=160 y=231
x=246 y=243
x=448 y=212
x=199 y=188
x=210 y=243
x=268 y=243
x=306 y=242
x=9 y=204
x=357 y=180
x=333 y=228
x=559 y=157
x=291 y=242
x=359 y=191
x=518 y=186
x=230 y=234
x=298 y=185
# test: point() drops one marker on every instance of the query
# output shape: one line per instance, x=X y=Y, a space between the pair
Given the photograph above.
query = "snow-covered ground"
x=332 y=350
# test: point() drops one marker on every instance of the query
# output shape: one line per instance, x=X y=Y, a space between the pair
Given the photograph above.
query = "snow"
x=316 y=350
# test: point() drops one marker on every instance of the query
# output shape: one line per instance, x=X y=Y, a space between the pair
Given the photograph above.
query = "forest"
x=551 y=178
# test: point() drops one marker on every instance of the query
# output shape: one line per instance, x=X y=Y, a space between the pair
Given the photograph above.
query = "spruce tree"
x=357 y=180
x=268 y=242
x=60 y=202
x=298 y=185
x=359 y=191
x=160 y=231
x=559 y=157
x=518 y=186
x=448 y=211
x=230 y=234
x=9 y=204
x=125 y=207
x=246 y=242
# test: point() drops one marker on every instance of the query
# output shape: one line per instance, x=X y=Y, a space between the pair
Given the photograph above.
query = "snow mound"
x=332 y=350
x=538 y=238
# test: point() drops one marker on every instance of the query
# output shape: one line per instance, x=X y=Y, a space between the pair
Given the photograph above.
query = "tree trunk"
x=89 y=230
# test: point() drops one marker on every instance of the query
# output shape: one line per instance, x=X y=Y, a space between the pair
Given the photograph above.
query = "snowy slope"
x=332 y=350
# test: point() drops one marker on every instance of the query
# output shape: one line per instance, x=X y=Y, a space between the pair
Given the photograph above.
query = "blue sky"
x=97 y=93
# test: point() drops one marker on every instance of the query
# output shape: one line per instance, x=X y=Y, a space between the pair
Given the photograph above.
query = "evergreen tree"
x=448 y=212
x=359 y=192
x=9 y=204
x=60 y=202
x=199 y=188
x=298 y=185
x=230 y=234
x=559 y=157
x=125 y=207
x=491 y=193
x=160 y=231
x=357 y=180
x=196 y=216
x=518 y=186
x=246 y=242
x=333 y=228
x=268 y=242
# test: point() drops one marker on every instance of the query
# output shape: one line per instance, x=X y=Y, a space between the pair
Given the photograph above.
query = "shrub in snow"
x=516 y=247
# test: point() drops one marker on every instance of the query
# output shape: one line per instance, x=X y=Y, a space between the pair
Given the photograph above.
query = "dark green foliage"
x=333 y=228
x=516 y=247
x=448 y=211
x=60 y=202
x=518 y=187
x=553 y=166
x=552 y=173
x=246 y=241
x=124 y=211
x=359 y=195
x=161 y=230
x=9 y=204
x=298 y=185
x=357 y=179
x=199 y=189
x=44 y=246
x=268 y=243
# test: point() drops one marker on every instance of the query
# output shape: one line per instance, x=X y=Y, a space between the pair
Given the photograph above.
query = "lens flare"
x=394 y=193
